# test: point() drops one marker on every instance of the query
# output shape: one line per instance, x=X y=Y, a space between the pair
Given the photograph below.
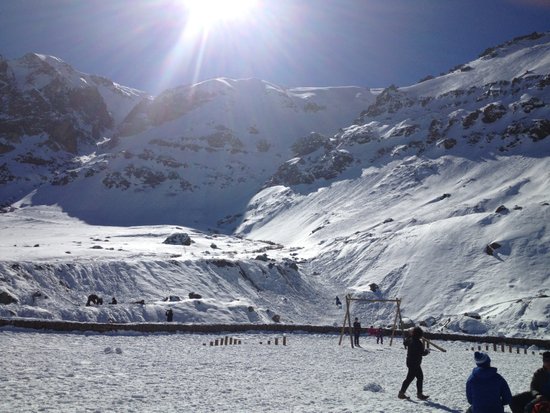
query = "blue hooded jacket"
x=487 y=391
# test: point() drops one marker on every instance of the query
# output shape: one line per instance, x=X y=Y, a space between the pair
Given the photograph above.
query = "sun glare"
x=206 y=13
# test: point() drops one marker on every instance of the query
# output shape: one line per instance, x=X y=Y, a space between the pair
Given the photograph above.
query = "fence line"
x=69 y=326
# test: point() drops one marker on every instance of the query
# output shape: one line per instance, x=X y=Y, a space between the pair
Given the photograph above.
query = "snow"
x=51 y=372
x=416 y=223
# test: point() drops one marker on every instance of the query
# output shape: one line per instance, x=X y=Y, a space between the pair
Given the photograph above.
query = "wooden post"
x=397 y=314
x=502 y=348
x=494 y=346
x=429 y=343
x=510 y=348
x=350 y=329
x=346 y=316
x=276 y=341
x=284 y=340
x=226 y=340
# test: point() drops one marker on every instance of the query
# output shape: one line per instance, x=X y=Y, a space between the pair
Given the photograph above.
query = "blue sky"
x=147 y=44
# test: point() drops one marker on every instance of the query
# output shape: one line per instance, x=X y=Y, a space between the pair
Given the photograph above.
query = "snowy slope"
x=195 y=155
x=437 y=193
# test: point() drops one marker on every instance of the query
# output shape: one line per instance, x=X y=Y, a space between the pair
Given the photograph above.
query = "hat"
x=546 y=356
x=417 y=332
x=482 y=359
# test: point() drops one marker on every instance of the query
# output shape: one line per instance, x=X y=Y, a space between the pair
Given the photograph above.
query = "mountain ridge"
x=435 y=192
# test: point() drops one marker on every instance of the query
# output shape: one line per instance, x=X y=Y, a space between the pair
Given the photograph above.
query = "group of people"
x=371 y=331
x=486 y=390
x=96 y=300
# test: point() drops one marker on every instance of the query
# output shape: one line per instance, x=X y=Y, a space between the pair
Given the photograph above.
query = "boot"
x=422 y=396
x=403 y=396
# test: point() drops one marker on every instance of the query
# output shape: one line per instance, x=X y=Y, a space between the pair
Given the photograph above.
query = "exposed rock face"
x=70 y=114
x=499 y=116
x=50 y=114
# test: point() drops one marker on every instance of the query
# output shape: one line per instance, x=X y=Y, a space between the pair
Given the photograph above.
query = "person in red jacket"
x=415 y=352
x=539 y=390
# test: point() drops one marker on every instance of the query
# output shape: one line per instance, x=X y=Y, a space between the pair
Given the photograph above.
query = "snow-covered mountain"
x=191 y=156
x=437 y=193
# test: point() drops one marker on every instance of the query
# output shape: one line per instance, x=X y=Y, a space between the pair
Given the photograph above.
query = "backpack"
x=541 y=407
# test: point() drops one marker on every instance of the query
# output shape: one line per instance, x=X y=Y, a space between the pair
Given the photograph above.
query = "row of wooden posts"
x=502 y=348
x=230 y=341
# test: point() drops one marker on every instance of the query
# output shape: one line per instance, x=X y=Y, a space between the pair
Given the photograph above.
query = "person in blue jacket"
x=486 y=390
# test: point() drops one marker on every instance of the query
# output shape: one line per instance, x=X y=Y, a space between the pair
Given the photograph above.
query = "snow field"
x=47 y=372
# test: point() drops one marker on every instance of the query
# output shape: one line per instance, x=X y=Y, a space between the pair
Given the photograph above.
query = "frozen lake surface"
x=51 y=372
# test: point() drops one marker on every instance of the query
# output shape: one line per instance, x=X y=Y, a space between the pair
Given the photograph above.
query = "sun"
x=203 y=14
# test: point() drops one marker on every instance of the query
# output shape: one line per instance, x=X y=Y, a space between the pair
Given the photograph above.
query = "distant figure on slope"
x=114 y=301
x=356 y=331
x=486 y=390
x=93 y=299
x=539 y=389
x=415 y=352
x=338 y=302
x=169 y=315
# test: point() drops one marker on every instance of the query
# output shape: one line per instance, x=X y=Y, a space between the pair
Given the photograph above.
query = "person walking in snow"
x=356 y=331
x=338 y=302
x=169 y=315
x=486 y=390
x=539 y=389
x=415 y=352
x=379 y=335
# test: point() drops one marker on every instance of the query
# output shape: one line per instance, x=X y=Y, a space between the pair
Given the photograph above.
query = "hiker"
x=338 y=302
x=356 y=331
x=379 y=335
x=540 y=389
x=486 y=390
x=169 y=315
x=93 y=299
x=114 y=301
x=415 y=352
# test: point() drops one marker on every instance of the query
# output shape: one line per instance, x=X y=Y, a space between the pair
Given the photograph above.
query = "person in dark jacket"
x=356 y=331
x=486 y=390
x=169 y=315
x=539 y=389
x=415 y=352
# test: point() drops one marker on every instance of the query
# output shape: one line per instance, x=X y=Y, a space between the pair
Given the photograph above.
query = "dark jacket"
x=415 y=351
x=487 y=391
x=540 y=383
x=357 y=328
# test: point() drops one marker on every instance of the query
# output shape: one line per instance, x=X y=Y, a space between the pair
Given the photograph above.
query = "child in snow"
x=486 y=390
x=379 y=336
x=415 y=352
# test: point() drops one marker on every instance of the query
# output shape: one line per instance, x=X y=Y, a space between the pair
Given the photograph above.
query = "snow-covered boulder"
x=178 y=238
